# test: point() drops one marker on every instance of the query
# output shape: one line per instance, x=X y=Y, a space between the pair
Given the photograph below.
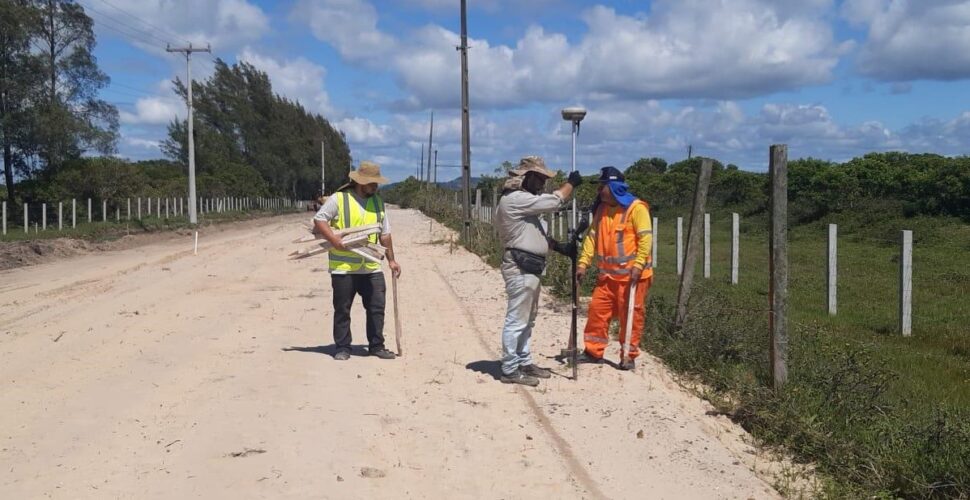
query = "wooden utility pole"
x=693 y=241
x=778 y=263
x=465 y=144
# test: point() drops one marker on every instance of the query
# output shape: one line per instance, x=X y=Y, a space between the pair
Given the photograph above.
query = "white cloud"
x=683 y=48
x=155 y=110
x=361 y=132
x=141 y=143
x=349 y=25
x=913 y=39
x=225 y=24
x=297 y=79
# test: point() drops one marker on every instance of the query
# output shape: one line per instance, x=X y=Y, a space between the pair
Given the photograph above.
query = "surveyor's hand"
x=395 y=268
x=338 y=244
x=580 y=273
x=635 y=274
x=575 y=178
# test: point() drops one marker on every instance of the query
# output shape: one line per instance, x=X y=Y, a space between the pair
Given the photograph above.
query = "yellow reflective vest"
x=351 y=214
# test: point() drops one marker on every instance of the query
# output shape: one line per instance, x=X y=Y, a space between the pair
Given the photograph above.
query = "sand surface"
x=152 y=373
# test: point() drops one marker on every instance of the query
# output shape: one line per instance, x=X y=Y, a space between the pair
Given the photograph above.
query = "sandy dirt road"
x=153 y=373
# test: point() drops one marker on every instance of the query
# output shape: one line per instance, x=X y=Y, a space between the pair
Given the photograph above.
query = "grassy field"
x=878 y=415
x=936 y=359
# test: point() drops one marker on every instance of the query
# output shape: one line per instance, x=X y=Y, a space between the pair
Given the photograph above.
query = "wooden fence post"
x=778 y=263
x=833 y=275
x=735 y=247
x=906 y=284
x=680 y=246
x=693 y=241
x=707 y=246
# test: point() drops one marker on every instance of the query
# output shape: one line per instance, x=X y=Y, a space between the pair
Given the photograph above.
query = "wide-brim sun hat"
x=533 y=164
x=368 y=173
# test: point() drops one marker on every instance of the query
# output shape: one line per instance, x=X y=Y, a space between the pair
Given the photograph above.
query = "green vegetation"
x=879 y=415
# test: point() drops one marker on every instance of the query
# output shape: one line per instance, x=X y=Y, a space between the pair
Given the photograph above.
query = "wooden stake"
x=397 y=316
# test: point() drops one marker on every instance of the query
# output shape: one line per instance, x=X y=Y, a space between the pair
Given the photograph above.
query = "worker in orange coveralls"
x=620 y=236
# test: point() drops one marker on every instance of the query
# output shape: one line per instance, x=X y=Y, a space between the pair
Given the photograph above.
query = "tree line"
x=896 y=184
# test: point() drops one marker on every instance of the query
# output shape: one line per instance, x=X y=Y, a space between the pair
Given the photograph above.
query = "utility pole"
x=323 y=167
x=193 y=219
x=430 y=139
x=466 y=172
x=421 y=166
x=435 y=180
x=690 y=150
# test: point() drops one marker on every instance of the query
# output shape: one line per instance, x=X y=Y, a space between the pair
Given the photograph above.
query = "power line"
x=129 y=87
x=144 y=22
x=125 y=93
x=134 y=29
x=125 y=34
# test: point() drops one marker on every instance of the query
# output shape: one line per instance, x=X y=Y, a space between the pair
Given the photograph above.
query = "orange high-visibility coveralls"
x=622 y=240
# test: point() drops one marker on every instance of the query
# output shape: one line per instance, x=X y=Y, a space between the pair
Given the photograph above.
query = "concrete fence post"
x=129 y=209
x=735 y=246
x=707 y=246
x=60 y=216
x=139 y=208
x=833 y=275
x=26 y=221
x=906 y=284
x=117 y=214
x=73 y=213
x=89 y=210
x=680 y=245
x=43 y=215
x=104 y=210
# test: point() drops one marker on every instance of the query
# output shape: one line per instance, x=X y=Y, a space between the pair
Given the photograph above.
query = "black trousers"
x=372 y=290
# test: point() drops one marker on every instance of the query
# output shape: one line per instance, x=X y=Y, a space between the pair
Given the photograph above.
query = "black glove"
x=567 y=249
x=575 y=178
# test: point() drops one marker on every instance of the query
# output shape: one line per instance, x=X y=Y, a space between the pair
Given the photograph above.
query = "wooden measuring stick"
x=397 y=317
x=631 y=301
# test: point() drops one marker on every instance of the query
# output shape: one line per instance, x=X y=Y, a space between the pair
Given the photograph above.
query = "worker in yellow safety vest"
x=620 y=237
x=357 y=204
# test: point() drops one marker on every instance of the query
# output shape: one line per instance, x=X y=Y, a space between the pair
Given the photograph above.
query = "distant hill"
x=454 y=184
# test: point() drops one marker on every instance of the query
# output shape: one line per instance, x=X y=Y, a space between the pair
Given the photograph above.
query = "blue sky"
x=833 y=79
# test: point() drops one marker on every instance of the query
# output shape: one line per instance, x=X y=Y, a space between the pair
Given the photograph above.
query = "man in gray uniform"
x=524 y=237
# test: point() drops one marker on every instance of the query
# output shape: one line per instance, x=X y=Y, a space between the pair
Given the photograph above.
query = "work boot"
x=628 y=365
x=341 y=355
x=517 y=377
x=383 y=354
x=586 y=357
x=535 y=371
